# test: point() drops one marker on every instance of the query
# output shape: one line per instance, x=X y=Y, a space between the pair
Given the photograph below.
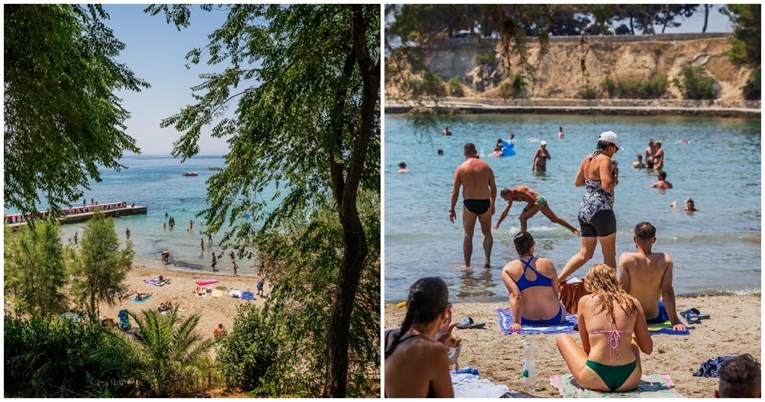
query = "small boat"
x=191 y=174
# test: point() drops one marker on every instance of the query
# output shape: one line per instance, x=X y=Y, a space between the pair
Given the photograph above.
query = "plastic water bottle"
x=529 y=366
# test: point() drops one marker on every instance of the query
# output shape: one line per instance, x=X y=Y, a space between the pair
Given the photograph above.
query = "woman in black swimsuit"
x=416 y=359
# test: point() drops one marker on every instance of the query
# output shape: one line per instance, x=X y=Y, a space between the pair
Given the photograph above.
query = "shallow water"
x=157 y=182
x=716 y=250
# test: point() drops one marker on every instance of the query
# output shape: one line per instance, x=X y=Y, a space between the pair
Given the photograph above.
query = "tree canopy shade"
x=62 y=119
x=305 y=79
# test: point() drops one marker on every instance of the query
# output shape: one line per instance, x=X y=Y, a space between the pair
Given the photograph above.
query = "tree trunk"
x=706 y=17
x=353 y=232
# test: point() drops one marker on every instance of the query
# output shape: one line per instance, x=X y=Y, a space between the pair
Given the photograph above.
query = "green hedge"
x=696 y=84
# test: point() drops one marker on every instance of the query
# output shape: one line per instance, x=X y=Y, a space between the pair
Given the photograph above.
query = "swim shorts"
x=603 y=223
x=478 y=207
x=541 y=201
x=663 y=316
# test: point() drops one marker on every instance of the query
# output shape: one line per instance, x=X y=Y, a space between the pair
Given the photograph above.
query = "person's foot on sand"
x=487 y=265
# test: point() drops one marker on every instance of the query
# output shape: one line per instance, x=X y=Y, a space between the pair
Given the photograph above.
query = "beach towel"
x=651 y=386
x=162 y=282
x=470 y=386
x=152 y=281
x=217 y=293
x=248 y=296
x=234 y=293
x=204 y=282
x=506 y=320
x=141 y=300
x=665 y=328
x=710 y=367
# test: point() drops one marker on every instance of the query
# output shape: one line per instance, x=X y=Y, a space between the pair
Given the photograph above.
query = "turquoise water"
x=157 y=182
x=716 y=250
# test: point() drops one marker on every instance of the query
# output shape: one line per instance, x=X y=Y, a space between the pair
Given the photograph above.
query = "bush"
x=483 y=58
x=455 y=87
x=652 y=88
x=514 y=88
x=588 y=92
x=248 y=353
x=696 y=84
x=50 y=357
x=752 y=88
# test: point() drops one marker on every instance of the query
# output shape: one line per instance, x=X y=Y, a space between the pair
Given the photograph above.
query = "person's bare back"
x=646 y=273
x=475 y=176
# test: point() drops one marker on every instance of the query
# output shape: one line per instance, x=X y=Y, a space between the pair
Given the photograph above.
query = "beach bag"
x=570 y=293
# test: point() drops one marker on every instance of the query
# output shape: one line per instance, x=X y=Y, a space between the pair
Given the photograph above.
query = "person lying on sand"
x=142 y=296
x=647 y=276
x=416 y=359
x=613 y=331
x=534 y=204
x=165 y=306
x=533 y=286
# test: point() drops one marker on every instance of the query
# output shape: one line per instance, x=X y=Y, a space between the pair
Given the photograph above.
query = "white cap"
x=610 y=136
x=543 y=142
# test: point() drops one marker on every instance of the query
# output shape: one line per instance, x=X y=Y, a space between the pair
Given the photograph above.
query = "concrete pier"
x=82 y=214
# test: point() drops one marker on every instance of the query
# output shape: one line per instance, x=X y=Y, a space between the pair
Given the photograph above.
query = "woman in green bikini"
x=609 y=359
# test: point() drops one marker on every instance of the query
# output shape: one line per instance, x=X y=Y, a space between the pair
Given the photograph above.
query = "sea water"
x=158 y=183
x=715 y=250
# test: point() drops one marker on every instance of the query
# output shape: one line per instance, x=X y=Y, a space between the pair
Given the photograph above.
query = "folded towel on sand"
x=506 y=320
x=665 y=328
x=234 y=293
x=470 y=386
x=651 y=386
x=710 y=367
x=152 y=281
x=217 y=293
x=248 y=296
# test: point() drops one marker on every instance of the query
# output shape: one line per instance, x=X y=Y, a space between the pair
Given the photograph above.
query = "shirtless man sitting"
x=647 y=276
x=478 y=192
x=535 y=203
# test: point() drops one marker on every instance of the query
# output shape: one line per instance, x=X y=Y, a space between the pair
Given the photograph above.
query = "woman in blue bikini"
x=609 y=358
x=533 y=286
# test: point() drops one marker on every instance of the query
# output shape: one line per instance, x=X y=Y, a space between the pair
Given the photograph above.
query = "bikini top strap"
x=527 y=264
x=613 y=341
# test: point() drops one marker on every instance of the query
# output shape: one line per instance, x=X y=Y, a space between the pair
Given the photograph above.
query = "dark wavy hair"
x=428 y=297
x=523 y=242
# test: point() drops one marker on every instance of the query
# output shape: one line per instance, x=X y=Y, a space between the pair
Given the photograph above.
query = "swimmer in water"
x=638 y=164
x=690 y=206
x=662 y=184
x=402 y=168
x=440 y=152
x=446 y=131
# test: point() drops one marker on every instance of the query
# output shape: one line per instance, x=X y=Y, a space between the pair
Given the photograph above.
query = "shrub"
x=514 y=88
x=752 y=88
x=248 y=353
x=588 y=92
x=651 y=88
x=49 y=357
x=455 y=87
x=696 y=84
x=483 y=58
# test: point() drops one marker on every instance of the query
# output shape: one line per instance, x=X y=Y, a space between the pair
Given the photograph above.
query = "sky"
x=155 y=51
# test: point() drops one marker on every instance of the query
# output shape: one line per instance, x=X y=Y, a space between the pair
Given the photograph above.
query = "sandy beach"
x=181 y=291
x=733 y=328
